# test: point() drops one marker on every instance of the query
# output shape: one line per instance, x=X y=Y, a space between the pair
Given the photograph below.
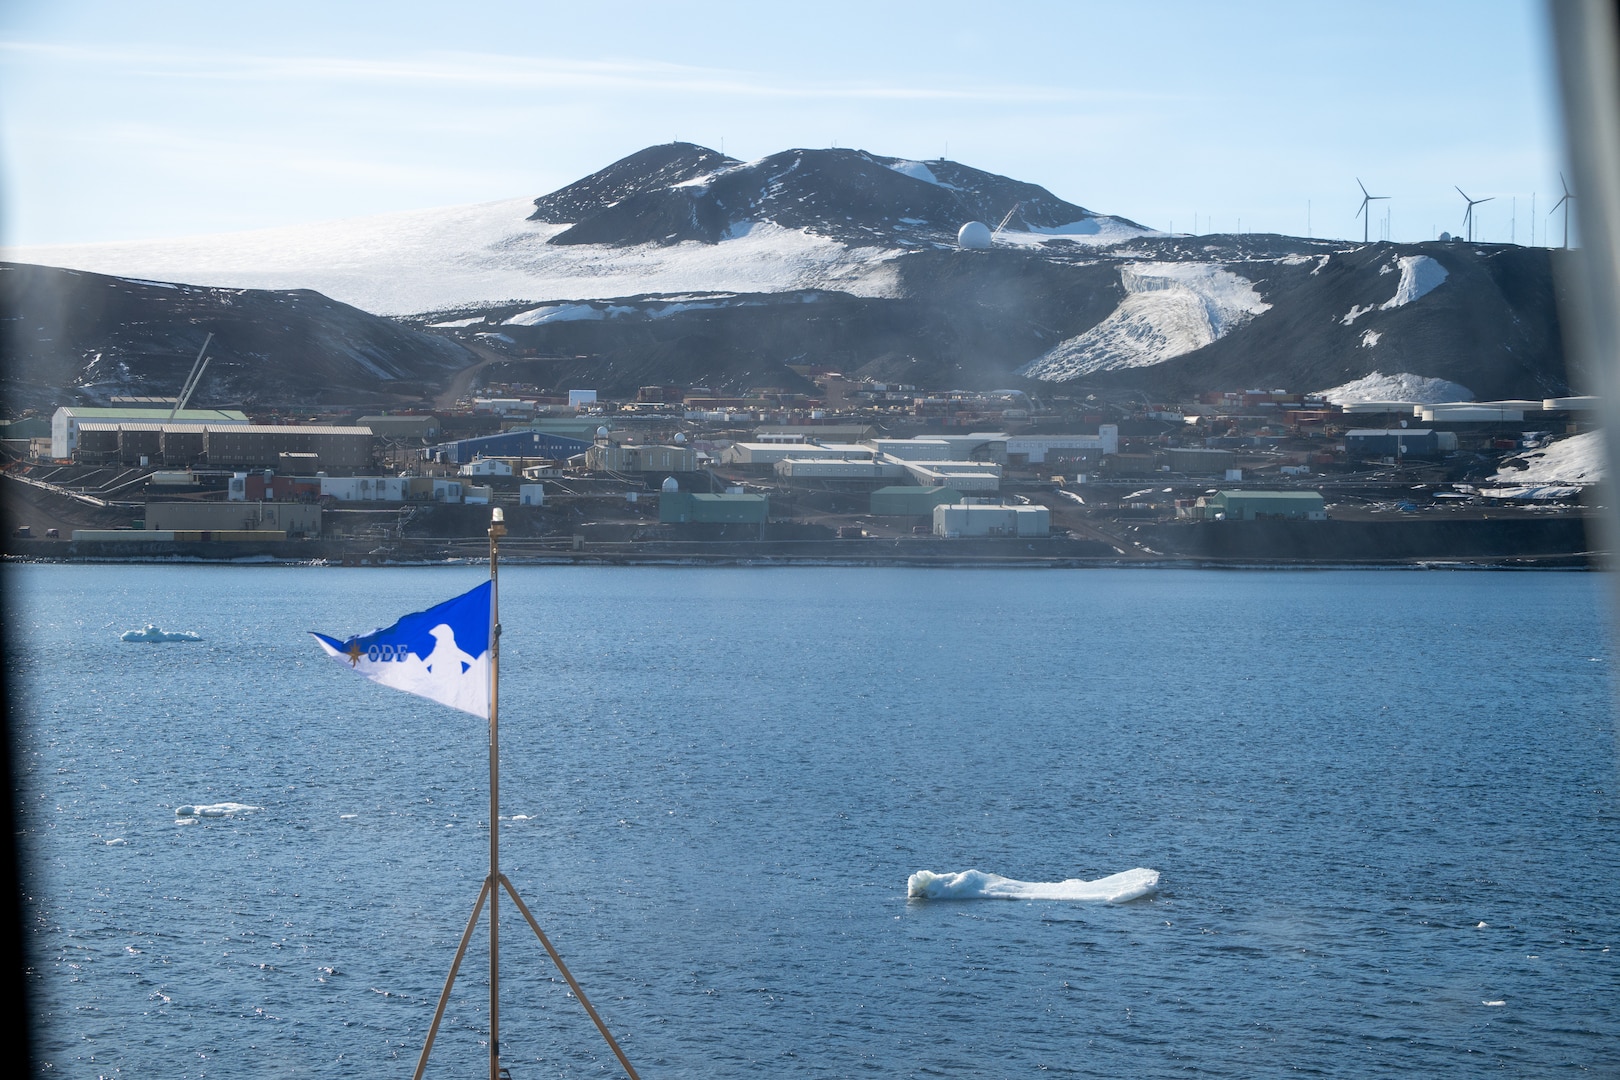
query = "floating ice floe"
x=214 y=810
x=153 y=634
x=977 y=885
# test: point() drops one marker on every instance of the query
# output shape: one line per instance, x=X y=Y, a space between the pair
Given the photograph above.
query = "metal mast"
x=496 y=881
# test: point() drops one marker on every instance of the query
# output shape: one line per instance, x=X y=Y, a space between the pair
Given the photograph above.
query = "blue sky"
x=127 y=121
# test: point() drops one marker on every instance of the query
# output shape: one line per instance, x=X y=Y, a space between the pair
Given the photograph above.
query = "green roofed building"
x=901 y=501
x=66 y=420
x=682 y=507
x=1264 y=506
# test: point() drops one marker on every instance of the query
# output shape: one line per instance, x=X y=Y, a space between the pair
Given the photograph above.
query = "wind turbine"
x=1567 y=196
x=1468 y=215
x=1366 y=221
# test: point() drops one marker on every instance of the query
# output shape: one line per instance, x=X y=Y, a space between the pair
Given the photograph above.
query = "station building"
x=1262 y=506
x=68 y=420
x=954 y=520
x=682 y=507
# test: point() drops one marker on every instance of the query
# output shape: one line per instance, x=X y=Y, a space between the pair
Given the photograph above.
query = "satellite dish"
x=601 y=433
x=974 y=236
x=670 y=484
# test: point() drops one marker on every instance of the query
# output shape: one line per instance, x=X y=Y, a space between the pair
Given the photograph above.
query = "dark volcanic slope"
x=973 y=319
x=69 y=335
x=669 y=194
x=966 y=319
x=1492 y=326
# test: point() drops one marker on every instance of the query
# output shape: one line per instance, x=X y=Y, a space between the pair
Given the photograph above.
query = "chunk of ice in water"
x=977 y=885
x=224 y=809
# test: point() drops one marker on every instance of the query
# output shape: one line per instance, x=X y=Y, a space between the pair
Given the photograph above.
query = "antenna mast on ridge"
x=190 y=385
x=1006 y=219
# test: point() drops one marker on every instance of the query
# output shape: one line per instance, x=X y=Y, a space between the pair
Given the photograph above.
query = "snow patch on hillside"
x=1370 y=338
x=1419 y=277
x=1418 y=389
x=1098 y=231
x=1575 y=461
x=1355 y=313
x=564 y=313
x=1169 y=310
x=423 y=261
x=918 y=171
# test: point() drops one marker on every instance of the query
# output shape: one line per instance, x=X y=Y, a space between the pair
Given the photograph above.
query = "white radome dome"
x=601 y=433
x=680 y=438
x=670 y=484
x=975 y=236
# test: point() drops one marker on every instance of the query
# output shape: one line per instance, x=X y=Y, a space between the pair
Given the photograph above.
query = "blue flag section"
x=441 y=653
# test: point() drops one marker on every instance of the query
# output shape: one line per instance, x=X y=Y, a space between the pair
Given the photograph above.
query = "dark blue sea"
x=1382 y=804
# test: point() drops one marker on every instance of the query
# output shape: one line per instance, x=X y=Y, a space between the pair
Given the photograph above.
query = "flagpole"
x=497 y=529
x=497 y=880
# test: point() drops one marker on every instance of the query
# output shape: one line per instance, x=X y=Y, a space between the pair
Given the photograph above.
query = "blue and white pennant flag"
x=441 y=653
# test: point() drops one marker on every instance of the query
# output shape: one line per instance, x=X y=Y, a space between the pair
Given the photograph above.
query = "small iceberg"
x=977 y=885
x=214 y=810
x=153 y=634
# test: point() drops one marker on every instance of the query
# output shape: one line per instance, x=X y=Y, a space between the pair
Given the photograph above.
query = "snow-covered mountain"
x=681 y=192
x=670 y=219
x=678 y=264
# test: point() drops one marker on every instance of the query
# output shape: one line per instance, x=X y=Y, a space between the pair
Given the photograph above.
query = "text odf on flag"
x=441 y=653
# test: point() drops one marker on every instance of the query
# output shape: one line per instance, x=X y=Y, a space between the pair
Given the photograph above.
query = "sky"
x=128 y=121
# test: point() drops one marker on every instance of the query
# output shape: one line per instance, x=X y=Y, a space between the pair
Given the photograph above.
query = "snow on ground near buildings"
x=432 y=260
x=1556 y=470
x=1169 y=309
x=1417 y=389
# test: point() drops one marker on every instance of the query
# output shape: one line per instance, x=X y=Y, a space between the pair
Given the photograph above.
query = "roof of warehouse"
x=302 y=429
x=1274 y=496
x=234 y=429
x=144 y=425
x=218 y=416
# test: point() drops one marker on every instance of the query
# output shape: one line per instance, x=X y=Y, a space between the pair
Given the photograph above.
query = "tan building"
x=293 y=519
x=340 y=449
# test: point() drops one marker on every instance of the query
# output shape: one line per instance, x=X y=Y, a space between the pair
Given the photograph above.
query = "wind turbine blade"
x=1565 y=183
x=1362 y=186
x=1488 y=198
x=1461 y=192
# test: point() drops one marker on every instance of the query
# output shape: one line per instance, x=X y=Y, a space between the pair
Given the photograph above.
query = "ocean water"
x=1382 y=804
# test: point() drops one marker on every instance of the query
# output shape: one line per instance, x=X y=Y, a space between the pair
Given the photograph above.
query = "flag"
x=441 y=653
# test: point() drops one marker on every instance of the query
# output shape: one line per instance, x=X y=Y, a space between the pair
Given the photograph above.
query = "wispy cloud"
x=516 y=72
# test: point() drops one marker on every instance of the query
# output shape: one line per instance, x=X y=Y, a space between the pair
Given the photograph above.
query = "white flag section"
x=441 y=653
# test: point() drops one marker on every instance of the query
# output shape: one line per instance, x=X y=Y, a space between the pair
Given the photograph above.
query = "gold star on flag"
x=354 y=653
